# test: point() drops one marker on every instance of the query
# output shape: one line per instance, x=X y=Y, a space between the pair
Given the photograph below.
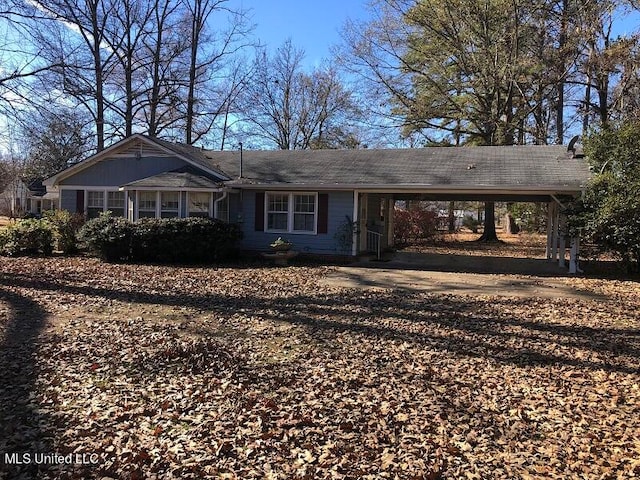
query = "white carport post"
x=562 y=239
x=556 y=231
x=551 y=219
x=573 y=257
x=390 y=220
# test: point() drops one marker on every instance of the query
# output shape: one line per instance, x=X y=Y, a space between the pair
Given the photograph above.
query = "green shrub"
x=65 y=227
x=531 y=217
x=27 y=237
x=172 y=240
x=184 y=240
x=608 y=213
x=108 y=236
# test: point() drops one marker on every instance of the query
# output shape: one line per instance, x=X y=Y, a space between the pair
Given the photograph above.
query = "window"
x=169 y=204
x=147 y=204
x=292 y=212
x=115 y=203
x=278 y=212
x=95 y=203
x=199 y=203
x=304 y=213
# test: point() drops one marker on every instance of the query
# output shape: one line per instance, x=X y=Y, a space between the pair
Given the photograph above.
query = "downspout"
x=215 y=207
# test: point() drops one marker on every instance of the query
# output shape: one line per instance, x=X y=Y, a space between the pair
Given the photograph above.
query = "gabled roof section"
x=197 y=156
x=186 y=178
x=130 y=146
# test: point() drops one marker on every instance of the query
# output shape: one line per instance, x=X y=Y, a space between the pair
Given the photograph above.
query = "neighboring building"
x=18 y=198
x=308 y=196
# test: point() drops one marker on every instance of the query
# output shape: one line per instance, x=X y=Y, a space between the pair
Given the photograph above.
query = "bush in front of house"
x=184 y=240
x=27 y=237
x=65 y=226
x=107 y=236
x=172 y=240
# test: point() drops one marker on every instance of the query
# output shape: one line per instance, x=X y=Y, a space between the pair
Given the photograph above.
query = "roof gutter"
x=418 y=188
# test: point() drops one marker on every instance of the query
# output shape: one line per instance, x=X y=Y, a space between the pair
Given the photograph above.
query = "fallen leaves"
x=169 y=372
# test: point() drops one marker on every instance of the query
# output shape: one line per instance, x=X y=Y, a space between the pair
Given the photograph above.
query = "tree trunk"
x=489 y=234
x=452 y=217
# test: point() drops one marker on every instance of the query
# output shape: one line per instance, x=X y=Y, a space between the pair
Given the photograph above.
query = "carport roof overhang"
x=514 y=193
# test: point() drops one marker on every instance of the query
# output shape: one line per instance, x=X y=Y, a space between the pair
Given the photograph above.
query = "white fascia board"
x=170 y=189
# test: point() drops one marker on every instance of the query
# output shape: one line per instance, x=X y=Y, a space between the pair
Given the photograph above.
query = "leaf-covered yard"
x=166 y=372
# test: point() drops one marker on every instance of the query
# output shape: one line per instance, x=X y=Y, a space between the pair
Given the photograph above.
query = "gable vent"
x=144 y=150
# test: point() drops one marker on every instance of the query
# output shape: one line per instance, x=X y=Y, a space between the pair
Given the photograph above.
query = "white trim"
x=290 y=213
x=170 y=189
x=216 y=207
x=105 y=198
x=137 y=207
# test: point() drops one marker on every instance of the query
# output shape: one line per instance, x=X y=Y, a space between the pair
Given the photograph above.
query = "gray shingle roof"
x=533 y=166
x=183 y=178
x=194 y=154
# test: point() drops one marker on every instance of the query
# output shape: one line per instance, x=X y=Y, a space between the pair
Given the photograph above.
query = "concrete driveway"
x=411 y=278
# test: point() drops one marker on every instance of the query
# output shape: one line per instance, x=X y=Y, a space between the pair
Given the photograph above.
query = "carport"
x=551 y=174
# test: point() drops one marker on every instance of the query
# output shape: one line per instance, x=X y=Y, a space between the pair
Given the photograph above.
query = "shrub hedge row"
x=32 y=236
x=27 y=237
x=171 y=240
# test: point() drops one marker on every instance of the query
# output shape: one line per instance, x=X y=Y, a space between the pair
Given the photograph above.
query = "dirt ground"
x=250 y=371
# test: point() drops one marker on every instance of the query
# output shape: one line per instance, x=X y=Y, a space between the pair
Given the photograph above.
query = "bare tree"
x=163 y=46
x=52 y=141
x=76 y=34
x=212 y=72
x=126 y=30
x=295 y=110
x=608 y=64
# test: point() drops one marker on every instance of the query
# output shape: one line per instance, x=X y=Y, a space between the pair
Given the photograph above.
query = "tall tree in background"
x=21 y=61
x=75 y=36
x=296 y=110
x=126 y=30
x=467 y=76
x=213 y=78
x=54 y=141
x=163 y=47
x=484 y=72
x=609 y=68
x=161 y=66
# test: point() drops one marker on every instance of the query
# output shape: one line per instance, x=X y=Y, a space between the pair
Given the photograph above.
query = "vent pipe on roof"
x=575 y=147
x=240 y=160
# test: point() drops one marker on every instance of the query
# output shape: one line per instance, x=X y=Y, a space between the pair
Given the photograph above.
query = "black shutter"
x=79 y=201
x=259 y=212
x=323 y=212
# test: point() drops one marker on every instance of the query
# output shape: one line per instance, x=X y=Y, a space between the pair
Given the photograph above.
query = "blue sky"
x=313 y=26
